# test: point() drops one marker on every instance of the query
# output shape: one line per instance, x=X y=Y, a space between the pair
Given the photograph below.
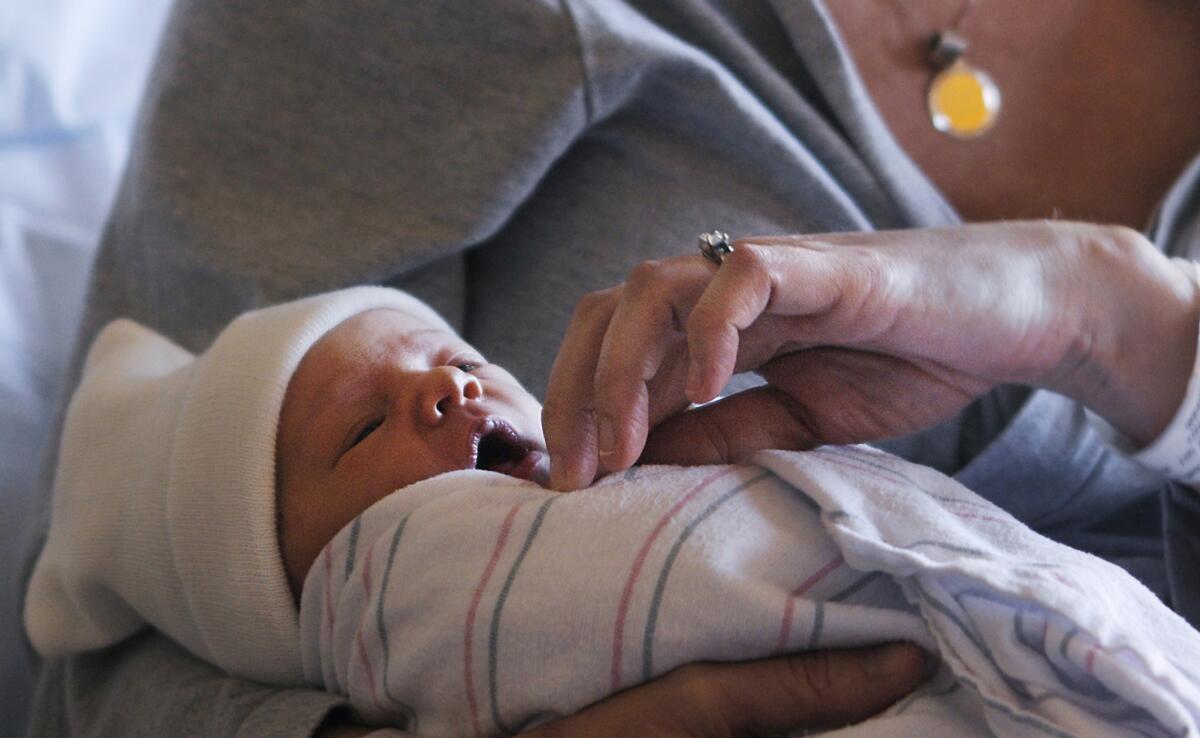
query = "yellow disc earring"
x=962 y=99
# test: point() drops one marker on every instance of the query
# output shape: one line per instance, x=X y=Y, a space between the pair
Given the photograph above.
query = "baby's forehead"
x=339 y=364
x=389 y=327
x=383 y=336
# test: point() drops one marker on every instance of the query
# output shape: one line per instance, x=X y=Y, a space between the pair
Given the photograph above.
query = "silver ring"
x=715 y=246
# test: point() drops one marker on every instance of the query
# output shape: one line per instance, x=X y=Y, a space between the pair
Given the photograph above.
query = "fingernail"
x=606 y=437
x=558 y=472
x=542 y=475
x=692 y=390
x=887 y=662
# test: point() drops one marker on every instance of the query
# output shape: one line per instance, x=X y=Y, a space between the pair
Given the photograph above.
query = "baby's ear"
x=128 y=349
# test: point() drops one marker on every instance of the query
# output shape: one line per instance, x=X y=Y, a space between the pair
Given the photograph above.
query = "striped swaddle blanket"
x=475 y=604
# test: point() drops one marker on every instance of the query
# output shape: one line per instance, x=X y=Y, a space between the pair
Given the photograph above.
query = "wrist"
x=1136 y=347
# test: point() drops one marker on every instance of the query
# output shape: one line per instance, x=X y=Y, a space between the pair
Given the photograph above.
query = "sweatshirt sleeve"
x=150 y=686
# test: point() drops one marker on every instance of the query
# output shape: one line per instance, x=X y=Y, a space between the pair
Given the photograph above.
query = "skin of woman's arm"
x=821 y=689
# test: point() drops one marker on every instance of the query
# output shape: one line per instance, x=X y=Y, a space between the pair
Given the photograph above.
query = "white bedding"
x=71 y=72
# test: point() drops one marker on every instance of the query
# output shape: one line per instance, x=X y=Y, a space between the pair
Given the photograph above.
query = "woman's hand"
x=863 y=336
x=820 y=689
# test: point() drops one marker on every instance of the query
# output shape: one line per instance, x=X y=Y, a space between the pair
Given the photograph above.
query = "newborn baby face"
x=380 y=402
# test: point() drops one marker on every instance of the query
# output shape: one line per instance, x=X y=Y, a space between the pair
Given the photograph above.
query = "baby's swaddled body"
x=476 y=604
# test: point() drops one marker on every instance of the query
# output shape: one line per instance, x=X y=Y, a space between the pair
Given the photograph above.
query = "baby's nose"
x=446 y=387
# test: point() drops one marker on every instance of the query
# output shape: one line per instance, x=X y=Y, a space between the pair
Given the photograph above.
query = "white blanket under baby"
x=473 y=604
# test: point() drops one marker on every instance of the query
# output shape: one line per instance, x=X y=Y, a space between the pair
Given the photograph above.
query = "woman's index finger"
x=645 y=335
x=568 y=419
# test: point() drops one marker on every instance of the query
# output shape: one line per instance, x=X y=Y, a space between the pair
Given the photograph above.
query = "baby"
x=342 y=493
x=386 y=399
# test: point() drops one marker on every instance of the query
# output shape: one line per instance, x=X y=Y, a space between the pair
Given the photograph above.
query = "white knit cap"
x=164 y=498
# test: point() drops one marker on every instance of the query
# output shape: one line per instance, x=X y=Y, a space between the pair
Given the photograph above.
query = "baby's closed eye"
x=365 y=431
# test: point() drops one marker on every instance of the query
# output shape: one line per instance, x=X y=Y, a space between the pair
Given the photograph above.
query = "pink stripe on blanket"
x=363 y=655
x=785 y=627
x=366 y=660
x=469 y=635
x=636 y=568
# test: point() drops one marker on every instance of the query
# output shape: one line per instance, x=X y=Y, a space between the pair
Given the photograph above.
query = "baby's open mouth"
x=498 y=447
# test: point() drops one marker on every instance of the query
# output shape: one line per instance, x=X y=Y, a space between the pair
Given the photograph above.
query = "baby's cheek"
x=292 y=534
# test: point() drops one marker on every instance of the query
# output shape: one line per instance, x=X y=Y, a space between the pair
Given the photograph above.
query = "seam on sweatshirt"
x=589 y=102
